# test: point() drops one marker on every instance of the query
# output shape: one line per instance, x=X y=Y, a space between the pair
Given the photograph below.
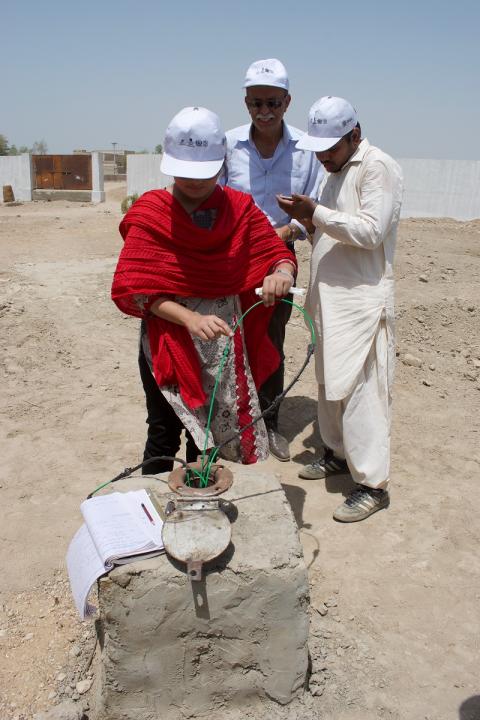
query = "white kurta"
x=351 y=278
x=351 y=301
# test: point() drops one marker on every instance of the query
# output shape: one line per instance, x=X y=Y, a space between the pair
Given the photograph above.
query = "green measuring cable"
x=217 y=380
x=128 y=471
x=207 y=464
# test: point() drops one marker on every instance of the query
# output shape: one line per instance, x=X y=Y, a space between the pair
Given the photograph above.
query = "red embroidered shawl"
x=172 y=256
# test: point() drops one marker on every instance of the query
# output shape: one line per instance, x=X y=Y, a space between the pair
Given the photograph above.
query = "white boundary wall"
x=143 y=173
x=16 y=170
x=98 y=193
x=433 y=188
x=441 y=188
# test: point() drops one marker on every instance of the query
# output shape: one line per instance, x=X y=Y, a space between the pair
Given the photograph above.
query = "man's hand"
x=275 y=286
x=284 y=233
x=300 y=207
x=207 y=327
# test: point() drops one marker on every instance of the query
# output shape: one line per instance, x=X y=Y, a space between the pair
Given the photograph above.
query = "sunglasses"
x=271 y=104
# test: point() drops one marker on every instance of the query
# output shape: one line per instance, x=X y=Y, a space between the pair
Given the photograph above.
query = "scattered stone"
x=28 y=636
x=423 y=278
x=316 y=689
x=67 y=710
x=321 y=608
x=331 y=602
x=12 y=368
x=83 y=686
x=431 y=367
x=75 y=651
x=409 y=359
x=426 y=382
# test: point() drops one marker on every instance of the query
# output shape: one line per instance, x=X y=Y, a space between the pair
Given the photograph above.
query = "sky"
x=87 y=74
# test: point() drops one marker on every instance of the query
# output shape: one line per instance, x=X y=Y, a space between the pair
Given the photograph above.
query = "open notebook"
x=118 y=528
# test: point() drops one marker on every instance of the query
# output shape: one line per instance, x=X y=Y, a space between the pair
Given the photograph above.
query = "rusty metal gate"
x=62 y=172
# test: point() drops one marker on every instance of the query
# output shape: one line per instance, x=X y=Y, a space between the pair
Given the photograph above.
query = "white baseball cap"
x=329 y=119
x=267 y=72
x=194 y=145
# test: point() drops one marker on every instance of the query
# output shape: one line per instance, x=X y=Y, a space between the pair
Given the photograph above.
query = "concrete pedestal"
x=172 y=649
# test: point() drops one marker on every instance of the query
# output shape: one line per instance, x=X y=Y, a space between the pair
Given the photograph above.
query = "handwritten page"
x=118 y=527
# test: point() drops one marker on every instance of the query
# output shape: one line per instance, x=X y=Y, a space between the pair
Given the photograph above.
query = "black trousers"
x=274 y=385
x=164 y=426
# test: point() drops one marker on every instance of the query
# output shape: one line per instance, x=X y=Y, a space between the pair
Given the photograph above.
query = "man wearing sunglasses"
x=351 y=300
x=263 y=160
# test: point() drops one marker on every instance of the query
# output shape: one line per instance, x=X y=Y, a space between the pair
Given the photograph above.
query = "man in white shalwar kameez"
x=350 y=298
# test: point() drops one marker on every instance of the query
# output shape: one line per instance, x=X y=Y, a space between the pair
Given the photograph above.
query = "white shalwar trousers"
x=357 y=428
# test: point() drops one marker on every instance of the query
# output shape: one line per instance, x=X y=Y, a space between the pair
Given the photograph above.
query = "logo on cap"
x=191 y=143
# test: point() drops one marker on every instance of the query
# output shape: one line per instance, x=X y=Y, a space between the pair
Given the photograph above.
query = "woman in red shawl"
x=193 y=255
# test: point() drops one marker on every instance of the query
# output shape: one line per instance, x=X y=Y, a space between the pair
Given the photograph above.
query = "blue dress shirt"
x=290 y=170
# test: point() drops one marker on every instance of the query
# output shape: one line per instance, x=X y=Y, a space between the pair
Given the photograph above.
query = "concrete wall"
x=441 y=188
x=143 y=173
x=433 y=188
x=16 y=170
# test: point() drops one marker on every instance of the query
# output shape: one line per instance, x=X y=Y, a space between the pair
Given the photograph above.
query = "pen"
x=148 y=514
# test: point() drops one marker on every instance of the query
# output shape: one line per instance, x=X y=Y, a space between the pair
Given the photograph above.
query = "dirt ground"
x=395 y=598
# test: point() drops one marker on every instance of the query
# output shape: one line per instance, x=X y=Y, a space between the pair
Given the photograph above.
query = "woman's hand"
x=276 y=285
x=207 y=327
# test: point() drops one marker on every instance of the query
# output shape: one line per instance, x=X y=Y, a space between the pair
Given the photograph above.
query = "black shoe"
x=278 y=445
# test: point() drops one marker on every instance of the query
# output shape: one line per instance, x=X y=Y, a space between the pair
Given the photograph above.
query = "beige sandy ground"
x=398 y=595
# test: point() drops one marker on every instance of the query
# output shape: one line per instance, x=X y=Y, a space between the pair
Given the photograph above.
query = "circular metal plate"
x=196 y=535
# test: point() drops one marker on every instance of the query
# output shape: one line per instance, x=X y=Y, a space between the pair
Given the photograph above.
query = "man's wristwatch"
x=295 y=231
